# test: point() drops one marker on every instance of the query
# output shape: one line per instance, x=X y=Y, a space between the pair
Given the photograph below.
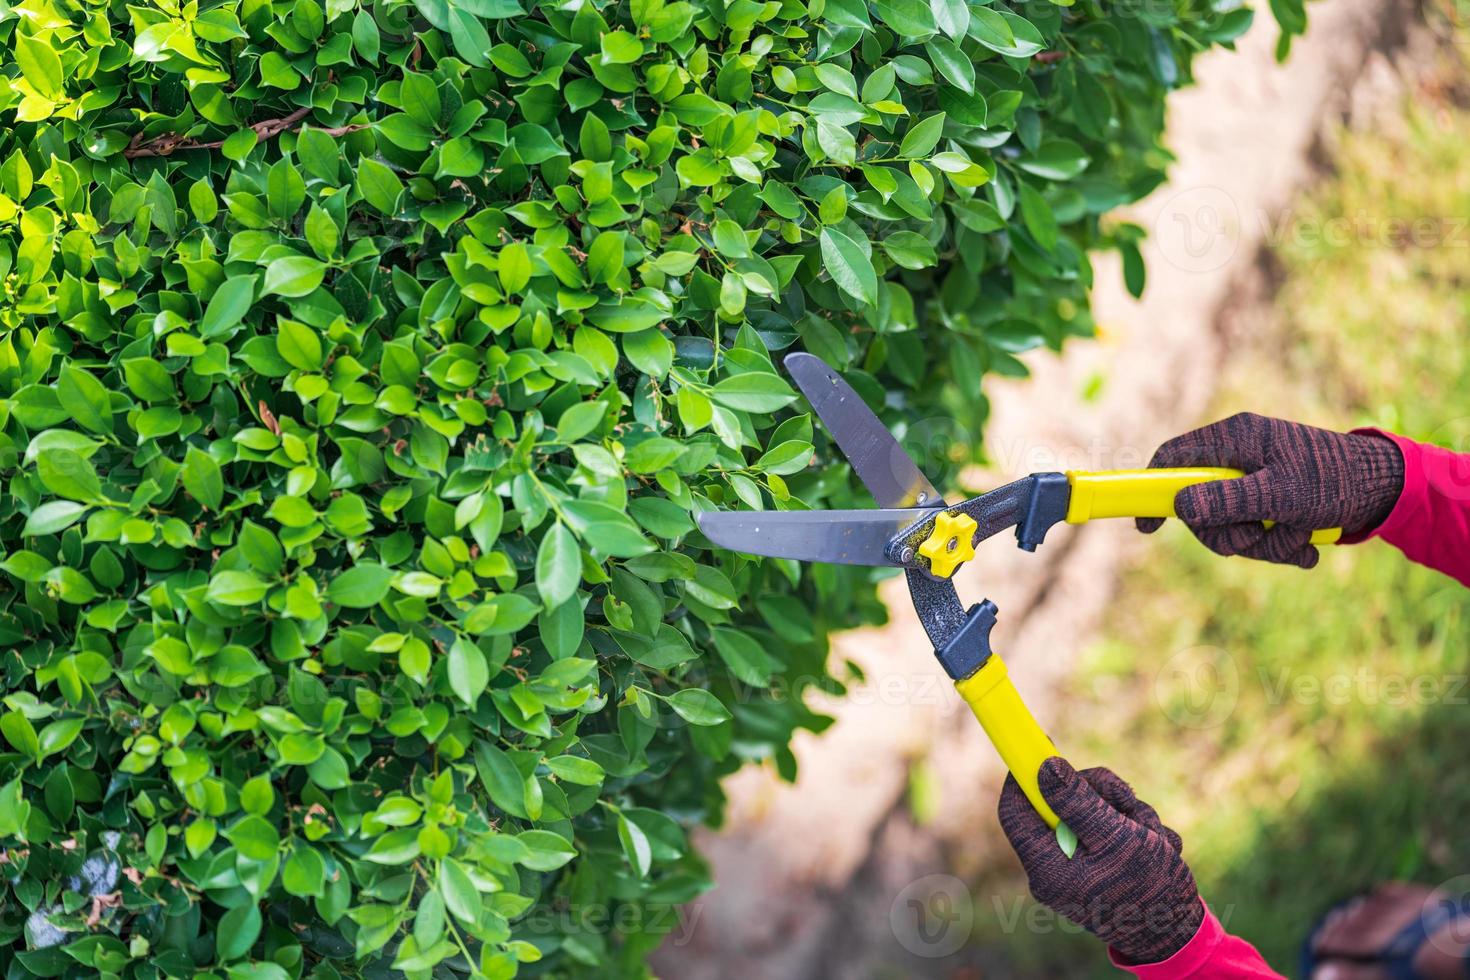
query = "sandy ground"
x=817 y=879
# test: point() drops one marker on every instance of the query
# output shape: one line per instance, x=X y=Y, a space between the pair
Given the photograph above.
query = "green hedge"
x=361 y=369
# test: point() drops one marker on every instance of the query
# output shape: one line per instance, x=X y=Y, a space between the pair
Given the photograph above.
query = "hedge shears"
x=915 y=529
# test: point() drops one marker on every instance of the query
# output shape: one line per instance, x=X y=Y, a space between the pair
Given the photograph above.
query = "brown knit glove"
x=1127 y=883
x=1299 y=476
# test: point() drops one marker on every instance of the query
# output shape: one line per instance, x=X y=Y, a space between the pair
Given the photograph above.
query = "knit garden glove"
x=1126 y=883
x=1299 y=476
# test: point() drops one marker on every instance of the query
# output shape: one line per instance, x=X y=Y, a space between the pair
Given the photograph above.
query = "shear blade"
x=844 y=537
x=879 y=461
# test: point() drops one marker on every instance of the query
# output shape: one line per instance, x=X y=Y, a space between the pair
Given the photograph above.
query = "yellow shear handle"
x=1148 y=493
x=1017 y=737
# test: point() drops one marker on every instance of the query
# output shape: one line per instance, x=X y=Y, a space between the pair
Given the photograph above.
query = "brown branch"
x=1049 y=57
x=162 y=146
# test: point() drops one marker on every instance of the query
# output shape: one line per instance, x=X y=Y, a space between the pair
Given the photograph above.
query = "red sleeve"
x=1431 y=521
x=1213 y=954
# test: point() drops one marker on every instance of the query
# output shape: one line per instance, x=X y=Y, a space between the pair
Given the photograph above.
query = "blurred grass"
x=1307 y=733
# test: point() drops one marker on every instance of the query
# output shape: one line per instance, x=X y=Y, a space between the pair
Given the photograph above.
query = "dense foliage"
x=361 y=368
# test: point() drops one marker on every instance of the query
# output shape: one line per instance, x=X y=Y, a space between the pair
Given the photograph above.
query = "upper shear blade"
x=878 y=459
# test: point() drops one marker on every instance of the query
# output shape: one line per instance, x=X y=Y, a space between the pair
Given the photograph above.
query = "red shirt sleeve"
x=1431 y=521
x=1213 y=954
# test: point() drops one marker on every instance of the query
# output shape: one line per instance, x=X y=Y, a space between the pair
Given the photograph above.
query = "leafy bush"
x=362 y=367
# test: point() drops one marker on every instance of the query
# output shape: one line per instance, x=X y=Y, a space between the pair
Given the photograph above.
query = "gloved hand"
x=1126 y=883
x=1299 y=476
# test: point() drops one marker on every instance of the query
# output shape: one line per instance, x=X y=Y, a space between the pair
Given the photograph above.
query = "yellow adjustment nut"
x=950 y=544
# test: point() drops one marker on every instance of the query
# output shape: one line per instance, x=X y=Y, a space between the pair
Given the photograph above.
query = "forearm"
x=1213 y=954
x=1430 y=523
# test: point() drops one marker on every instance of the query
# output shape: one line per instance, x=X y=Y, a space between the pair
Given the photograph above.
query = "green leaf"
x=849 y=265
x=236 y=588
x=361 y=586
x=910 y=250
x=573 y=769
x=379 y=186
x=502 y=780
x=298 y=344
x=910 y=18
x=257 y=796
x=255 y=837
x=558 y=566
x=53 y=517
x=1066 y=840
x=238 y=930
x=515 y=267
x=460 y=157
x=202 y=478
x=147 y=379
x=21 y=734
x=753 y=391
x=605 y=256
x=580 y=420
x=698 y=707
x=85 y=399
x=952 y=63
x=228 y=306
x=468 y=672
x=744 y=656
x=56 y=736
x=1056 y=160
x=635 y=845
x=461 y=895
x=1040 y=220
x=293 y=275
x=304 y=874
x=625 y=317
x=620 y=48
x=395 y=847
x=952 y=16
x=39 y=66
x=366 y=38
x=237 y=145
x=68 y=474
x=545 y=851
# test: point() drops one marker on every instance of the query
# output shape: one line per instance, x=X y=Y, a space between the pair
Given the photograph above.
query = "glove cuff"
x=1378 y=479
x=1162 y=936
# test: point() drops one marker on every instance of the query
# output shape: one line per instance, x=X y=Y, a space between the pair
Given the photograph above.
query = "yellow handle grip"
x=1148 y=493
x=1022 y=745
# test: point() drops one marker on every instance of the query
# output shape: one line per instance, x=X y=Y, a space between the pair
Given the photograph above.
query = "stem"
x=162 y=146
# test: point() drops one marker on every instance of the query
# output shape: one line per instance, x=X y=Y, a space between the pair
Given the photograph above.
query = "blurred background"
x=1305 y=733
